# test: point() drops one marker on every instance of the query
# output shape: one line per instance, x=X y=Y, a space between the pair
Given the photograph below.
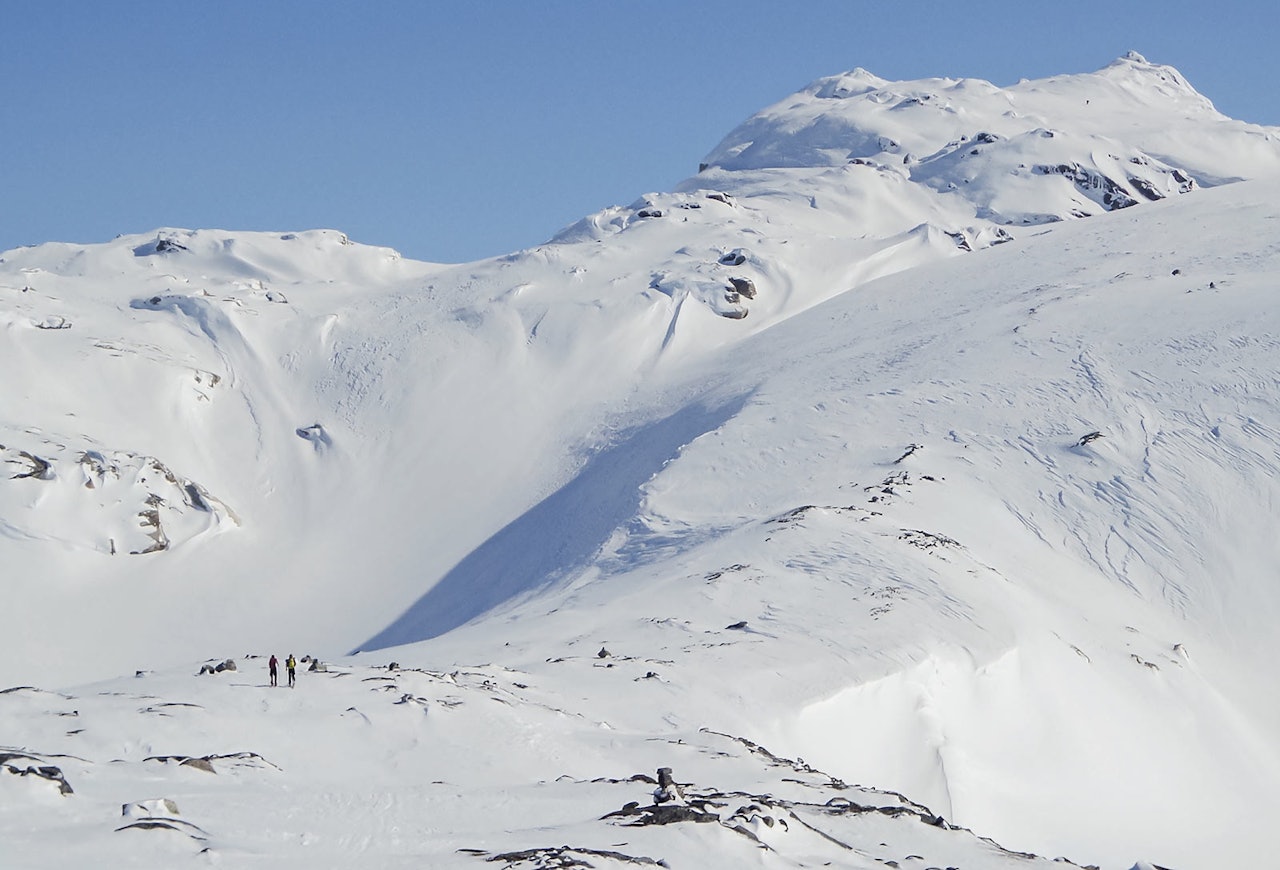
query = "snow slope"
x=858 y=446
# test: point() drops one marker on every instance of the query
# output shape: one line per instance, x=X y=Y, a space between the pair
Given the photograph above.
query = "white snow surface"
x=858 y=458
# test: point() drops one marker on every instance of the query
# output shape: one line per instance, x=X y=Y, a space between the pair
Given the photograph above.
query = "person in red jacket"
x=272 y=667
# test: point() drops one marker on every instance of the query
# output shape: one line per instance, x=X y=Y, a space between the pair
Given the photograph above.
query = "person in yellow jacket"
x=291 y=665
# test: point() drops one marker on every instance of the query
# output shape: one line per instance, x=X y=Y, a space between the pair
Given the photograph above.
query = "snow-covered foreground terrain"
x=857 y=459
x=363 y=767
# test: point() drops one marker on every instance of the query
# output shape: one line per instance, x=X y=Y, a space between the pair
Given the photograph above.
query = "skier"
x=272 y=665
x=291 y=664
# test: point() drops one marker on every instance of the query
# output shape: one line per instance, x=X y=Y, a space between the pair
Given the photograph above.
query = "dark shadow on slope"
x=558 y=535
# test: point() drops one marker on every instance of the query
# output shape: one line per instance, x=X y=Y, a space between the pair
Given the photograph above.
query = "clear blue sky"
x=454 y=131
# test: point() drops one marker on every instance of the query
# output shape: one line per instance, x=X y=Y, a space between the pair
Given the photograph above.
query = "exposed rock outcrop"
x=27 y=765
x=109 y=501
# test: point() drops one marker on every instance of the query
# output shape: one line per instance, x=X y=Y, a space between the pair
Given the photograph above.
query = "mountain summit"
x=1035 y=152
x=863 y=444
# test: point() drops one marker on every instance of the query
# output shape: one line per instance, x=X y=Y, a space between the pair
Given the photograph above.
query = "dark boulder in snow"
x=181 y=826
x=910 y=449
x=149 y=808
x=149 y=522
x=227 y=665
x=669 y=805
x=204 y=763
x=24 y=765
x=233 y=760
x=316 y=434
x=672 y=814
x=1146 y=188
x=744 y=286
x=31 y=466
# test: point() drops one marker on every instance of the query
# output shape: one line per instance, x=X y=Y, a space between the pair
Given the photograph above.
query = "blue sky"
x=455 y=131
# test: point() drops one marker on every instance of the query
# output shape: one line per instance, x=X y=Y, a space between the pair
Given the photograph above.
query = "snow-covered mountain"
x=861 y=457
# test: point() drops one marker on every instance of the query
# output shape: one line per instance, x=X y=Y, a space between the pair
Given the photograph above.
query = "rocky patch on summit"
x=162 y=244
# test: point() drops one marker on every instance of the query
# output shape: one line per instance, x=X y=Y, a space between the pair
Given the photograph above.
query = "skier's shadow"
x=558 y=535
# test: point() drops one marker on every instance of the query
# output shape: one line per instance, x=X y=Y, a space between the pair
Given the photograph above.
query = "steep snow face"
x=1035 y=152
x=993 y=532
x=1096 y=407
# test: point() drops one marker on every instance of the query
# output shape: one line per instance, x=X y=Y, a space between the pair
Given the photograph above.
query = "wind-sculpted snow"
x=559 y=536
x=857 y=446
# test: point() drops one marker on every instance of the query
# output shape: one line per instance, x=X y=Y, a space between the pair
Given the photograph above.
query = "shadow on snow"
x=560 y=534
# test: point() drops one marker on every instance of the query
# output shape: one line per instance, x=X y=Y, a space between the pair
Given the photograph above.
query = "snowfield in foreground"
x=409 y=768
x=858 y=459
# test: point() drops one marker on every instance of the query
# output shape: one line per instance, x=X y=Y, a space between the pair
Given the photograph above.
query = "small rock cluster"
x=219 y=667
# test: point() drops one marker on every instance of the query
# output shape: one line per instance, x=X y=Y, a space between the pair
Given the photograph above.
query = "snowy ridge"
x=890 y=465
x=1033 y=153
x=857 y=115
